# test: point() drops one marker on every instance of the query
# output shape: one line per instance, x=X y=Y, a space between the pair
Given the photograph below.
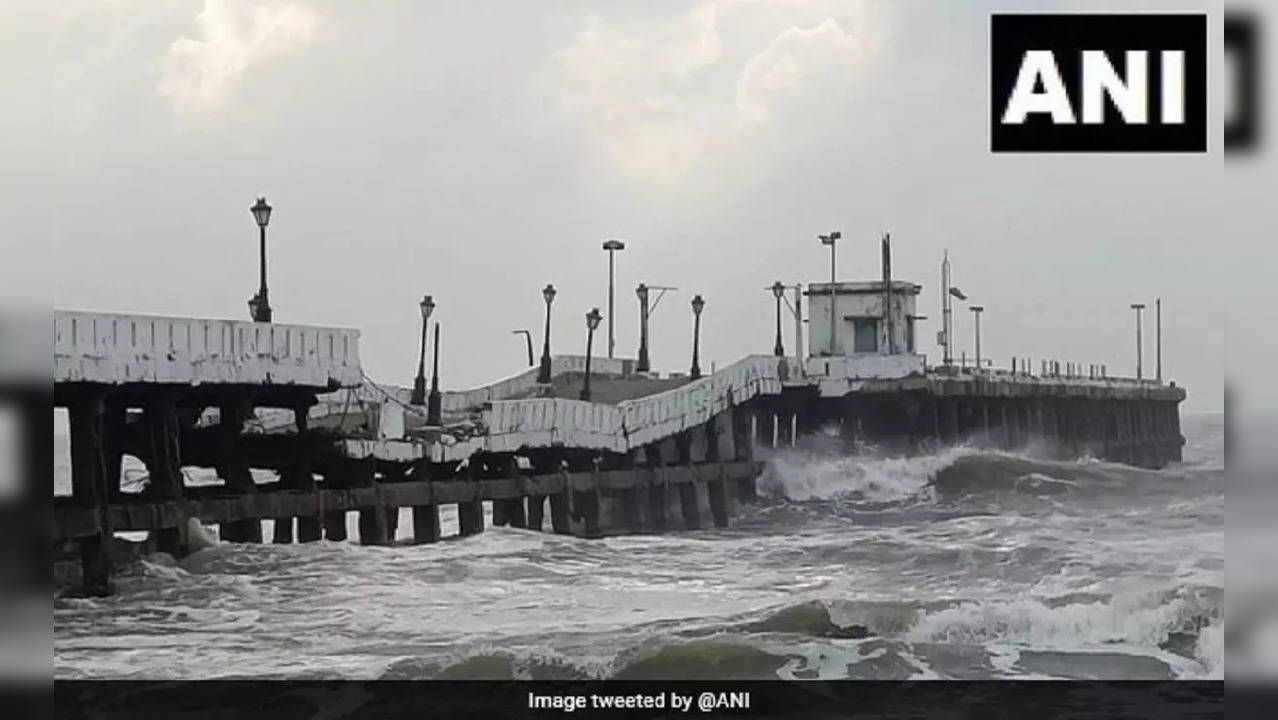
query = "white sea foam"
x=803 y=475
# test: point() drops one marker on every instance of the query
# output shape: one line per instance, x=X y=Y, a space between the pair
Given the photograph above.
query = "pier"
x=645 y=453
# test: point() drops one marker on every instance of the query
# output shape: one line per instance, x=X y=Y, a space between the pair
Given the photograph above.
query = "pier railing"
x=115 y=349
x=547 y=422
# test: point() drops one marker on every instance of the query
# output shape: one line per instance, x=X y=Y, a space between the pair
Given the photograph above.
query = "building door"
x=865 y=338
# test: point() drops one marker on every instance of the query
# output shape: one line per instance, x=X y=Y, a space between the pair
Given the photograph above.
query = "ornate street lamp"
x=260 y=305
x=419 y=383
x=697 y=305
x=543 y=373
x=778 y=292
x=592 y=323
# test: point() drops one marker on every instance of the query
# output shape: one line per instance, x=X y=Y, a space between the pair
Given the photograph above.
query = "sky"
x=477 y=151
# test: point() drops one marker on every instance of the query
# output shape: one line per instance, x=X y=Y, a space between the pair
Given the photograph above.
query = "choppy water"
x=965 y=564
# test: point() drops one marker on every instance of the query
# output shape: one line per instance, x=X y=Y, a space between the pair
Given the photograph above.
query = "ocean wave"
x=802 y=475
x=1155 y=620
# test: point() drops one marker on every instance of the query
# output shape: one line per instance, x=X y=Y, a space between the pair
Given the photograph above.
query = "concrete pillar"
x=302 y=473
x=88 y=490
x=536 y=512
x=425 y=524
x=470 y=513
x=234 y=469
x=164 y=467
x=340 y=476
x=719 y=508
x=115 y=418
x=657 y=488
x=586 y=506
x=743 y=450
x=687 y=490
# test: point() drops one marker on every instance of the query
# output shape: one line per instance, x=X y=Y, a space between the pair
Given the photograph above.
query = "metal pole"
x=834 y=297
x=611 y=270
x=945 y=310
x=585 y=385
x=1139 y=308
x=976 y=312
x=798 y=326
x=644 y=309
x=433 y=403
x=528 y=338
x=264 y=305
x=778 y=349
x=1158 y=324
x=543 y=373
x=419 y=383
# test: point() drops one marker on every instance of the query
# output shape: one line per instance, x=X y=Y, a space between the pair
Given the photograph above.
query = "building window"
x=865 y=335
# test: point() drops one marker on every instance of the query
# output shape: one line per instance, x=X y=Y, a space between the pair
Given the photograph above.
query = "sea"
x=964 y=564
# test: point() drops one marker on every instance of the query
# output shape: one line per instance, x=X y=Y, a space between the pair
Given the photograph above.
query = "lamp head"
x=778 y=290
x=697 y=304
x=614 y=244
x=427 y=306
x=1138 y=306
x=261 y=212
x=548 y=293
x=593 y=319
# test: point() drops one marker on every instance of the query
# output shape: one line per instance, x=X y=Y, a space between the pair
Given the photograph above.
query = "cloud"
x=795 y=64
x=231 y=36
x=658 y=96
x=631 y=87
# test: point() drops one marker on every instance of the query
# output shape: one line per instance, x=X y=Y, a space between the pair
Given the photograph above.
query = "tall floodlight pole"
x=419 y=383
x=543 y=373
x=260 y=305
x=778 y=292
x=976 y=315
x=1140 y=370
x=697 y=305
x=612 y=246
x=834 y=295
x=592 y=322
x=1158 y=339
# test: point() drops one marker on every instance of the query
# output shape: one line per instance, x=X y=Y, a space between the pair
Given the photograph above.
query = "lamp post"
x=612 y=246
x=1140 y=371
x=643 y=365
x=976 y=316
x=433 y=401
x=527 y=338
x=697 y=305
x=592 y=322
x=543 y=373
x=260 y=305
x=830 y=240
x=778 y=292
x=419 y=383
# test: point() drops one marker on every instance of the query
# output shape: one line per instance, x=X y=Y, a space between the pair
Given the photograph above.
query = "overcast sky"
x=476 y=151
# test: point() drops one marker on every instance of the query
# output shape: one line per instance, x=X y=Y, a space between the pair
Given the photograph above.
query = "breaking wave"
x=805 y=475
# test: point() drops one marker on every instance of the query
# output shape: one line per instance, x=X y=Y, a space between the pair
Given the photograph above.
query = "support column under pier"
x=88 y=491
x=234 y=469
